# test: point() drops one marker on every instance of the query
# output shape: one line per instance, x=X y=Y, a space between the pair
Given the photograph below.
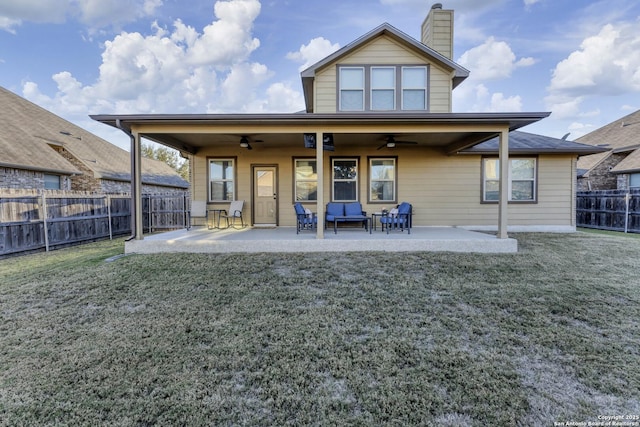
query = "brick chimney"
x=437 y=30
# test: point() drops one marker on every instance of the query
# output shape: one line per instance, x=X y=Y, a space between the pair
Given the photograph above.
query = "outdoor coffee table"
x=357 y=218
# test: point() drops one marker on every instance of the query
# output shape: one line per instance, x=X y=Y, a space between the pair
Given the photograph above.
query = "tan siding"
x=444 y=190
x=381 y=51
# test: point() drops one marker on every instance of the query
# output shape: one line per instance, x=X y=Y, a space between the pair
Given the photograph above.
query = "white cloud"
x=492 y=60
x=9 y=25
x=176 y=70
x=92 y=13
x=313 y=52
x=607 y=64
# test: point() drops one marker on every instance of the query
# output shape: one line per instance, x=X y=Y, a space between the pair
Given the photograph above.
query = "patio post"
x=320 y=188
x=136 y=185
x=503 y=205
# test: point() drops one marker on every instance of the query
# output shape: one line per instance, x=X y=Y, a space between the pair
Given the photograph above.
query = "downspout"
x=133 y=188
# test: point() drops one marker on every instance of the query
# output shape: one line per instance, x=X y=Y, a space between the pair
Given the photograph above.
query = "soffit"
x=450 y=131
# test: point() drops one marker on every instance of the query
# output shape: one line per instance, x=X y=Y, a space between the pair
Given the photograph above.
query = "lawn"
x=548 y=335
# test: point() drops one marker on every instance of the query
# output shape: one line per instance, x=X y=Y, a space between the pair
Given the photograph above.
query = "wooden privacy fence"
x=46 y=219
x=616 y=210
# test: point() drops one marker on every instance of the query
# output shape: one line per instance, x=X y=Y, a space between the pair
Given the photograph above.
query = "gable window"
x=382 y=180
x=383 y=88
x=52 y=182
x=634 y=180
x=414 y=88
x=306 y=180
x=522 y=176
x=221 y=180
x=344 y=180
x=352 y=89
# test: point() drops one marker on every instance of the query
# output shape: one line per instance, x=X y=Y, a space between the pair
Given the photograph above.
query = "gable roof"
x=28 y=132
x=529 y=143
x=622 y=135
x=459 y=73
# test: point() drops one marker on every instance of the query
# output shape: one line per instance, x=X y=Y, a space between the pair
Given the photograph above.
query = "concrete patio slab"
x=285 y=239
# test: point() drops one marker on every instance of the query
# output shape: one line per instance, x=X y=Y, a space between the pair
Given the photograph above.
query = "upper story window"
x=383 y=88
x=221 y=180
x=522 y=176
x=352 y=89
x=414 y=88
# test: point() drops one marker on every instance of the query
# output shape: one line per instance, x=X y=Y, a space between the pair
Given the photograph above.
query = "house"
x=39 y=150
x=617 y=168
x=378 y=128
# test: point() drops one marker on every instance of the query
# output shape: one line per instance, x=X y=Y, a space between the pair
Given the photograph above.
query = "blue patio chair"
x=304 y=221
x=402 y=219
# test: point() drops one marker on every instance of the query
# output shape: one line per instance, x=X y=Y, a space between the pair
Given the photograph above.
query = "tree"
x=168 y=156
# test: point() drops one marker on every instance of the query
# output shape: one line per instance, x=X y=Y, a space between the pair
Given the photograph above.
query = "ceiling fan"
x=244 y=142
x=391 y=142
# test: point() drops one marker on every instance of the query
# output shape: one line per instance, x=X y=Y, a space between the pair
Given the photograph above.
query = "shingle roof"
x=615 y=136
x=28 y=130
x=529 y=143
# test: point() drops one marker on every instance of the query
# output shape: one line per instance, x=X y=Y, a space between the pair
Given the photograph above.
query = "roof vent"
x=437 y=6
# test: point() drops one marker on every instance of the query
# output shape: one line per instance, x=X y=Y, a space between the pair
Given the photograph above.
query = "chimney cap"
x=436 y=6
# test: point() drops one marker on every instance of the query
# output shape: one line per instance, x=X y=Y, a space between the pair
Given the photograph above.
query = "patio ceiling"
x=450 y=132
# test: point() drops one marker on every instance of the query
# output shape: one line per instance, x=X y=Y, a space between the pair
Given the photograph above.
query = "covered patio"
x=352 y=239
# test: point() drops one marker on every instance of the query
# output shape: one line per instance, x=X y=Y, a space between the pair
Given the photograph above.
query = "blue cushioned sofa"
x=346 y=212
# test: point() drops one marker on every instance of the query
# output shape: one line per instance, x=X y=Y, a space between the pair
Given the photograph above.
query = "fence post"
x=109 y=216
x=627 y=198
x=44 y=222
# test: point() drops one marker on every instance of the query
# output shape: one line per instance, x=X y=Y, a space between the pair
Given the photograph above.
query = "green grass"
x=547 y=335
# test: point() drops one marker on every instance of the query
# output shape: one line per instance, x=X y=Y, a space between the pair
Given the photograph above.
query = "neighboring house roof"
x=622 y=135
x=308 y=75
x=529 y=143
x=28 y=132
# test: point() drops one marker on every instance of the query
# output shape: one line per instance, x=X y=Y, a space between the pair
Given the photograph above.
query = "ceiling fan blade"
x=382 y=146
x=406 y=142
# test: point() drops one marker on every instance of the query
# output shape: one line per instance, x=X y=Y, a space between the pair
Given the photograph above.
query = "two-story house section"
x=378 y=128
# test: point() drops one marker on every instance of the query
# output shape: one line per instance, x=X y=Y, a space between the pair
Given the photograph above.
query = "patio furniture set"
x=337 y=213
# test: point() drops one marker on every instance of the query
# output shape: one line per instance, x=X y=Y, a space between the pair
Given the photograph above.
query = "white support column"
x=320 y=190
x=136 y=185
x=503 y=206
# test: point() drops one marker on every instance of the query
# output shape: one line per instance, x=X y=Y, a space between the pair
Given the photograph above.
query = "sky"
x=578 y=59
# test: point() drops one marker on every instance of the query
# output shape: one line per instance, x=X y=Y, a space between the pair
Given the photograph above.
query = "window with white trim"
x=344 y=180
x=634 y=180
x=351 y=89
x=221 y=180
x=522 y=177
x=382 y=180
x=383 y=88
x=306 y=180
